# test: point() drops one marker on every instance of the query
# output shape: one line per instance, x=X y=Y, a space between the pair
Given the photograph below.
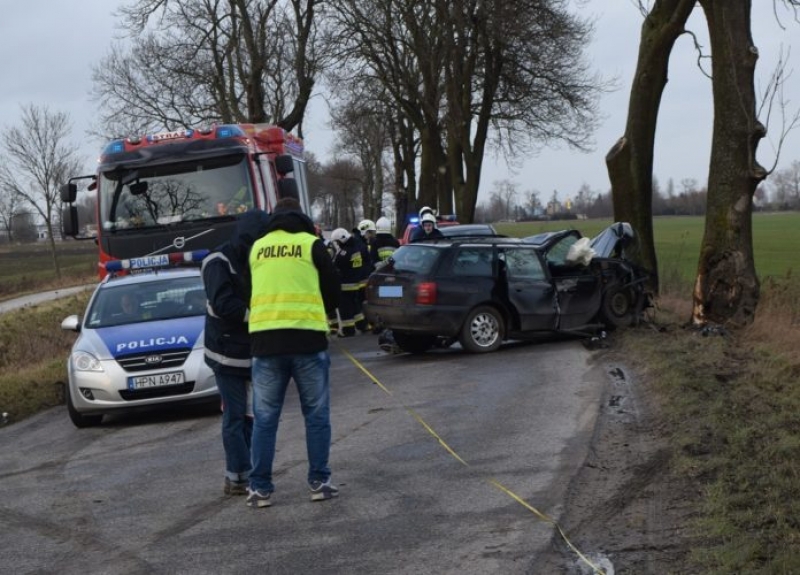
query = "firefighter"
x=427 y=229
x=352 y=261
x=385 y=243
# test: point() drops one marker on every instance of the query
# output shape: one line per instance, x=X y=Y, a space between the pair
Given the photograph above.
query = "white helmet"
x=426 y=210
x=428 y=217
x=366 y=226
x=383 y=225
x=340 y=235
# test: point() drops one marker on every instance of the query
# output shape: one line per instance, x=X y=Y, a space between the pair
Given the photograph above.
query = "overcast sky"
x=49 y=47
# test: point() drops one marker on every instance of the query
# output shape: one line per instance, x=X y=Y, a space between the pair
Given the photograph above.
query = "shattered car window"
x=522 y=264
x=417 y=258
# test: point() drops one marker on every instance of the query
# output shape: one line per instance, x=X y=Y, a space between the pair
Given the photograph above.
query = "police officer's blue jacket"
x=226 y=275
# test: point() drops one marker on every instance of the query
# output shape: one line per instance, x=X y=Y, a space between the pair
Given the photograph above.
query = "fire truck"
x=172 y=192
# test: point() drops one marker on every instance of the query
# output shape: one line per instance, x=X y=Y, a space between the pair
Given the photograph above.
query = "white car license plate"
x=156 y=380
x=390 y=291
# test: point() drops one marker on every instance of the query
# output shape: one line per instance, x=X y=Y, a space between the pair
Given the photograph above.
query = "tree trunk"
x=630 y=160
x=727 y=288
x=53 y=251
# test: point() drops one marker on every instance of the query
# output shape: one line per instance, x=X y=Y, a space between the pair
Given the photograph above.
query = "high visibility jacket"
x=286 y=293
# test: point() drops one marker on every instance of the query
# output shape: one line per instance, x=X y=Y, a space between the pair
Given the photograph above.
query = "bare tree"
x=38 y=159
x=10 y=204
x=785 y=186
x=363 y=134
x=630 y=160
x=199 y=62
x=726 y=287
x=340 y=184
x=460 y=70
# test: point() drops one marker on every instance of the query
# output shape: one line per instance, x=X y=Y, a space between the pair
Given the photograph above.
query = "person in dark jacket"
x=226 y=276
x=352 y=261
x=385 y=243
x=294 y=288
x=427 y=229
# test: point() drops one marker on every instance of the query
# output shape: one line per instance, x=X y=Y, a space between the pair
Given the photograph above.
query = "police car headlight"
x=85 y=362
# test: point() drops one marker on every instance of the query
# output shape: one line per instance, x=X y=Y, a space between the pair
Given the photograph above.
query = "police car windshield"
x=152 y=301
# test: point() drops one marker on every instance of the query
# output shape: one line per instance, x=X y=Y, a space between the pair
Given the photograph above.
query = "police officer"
x=226 y=277
x=294 y=286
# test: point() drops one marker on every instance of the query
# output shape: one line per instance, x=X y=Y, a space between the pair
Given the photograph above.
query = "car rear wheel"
x=81 y=420
x=618 y=307
x=483 y=330
x=413 y=343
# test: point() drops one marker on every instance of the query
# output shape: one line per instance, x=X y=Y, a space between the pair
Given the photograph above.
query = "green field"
x=678 y=241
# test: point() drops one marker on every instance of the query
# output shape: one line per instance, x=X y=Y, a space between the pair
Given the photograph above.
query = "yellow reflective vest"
x=286 y=292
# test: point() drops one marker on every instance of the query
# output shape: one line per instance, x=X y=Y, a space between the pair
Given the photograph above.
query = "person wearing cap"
x=427 y=229
x=226 y=277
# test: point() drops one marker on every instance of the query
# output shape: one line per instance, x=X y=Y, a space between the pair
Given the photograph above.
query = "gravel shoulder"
x=626 y=508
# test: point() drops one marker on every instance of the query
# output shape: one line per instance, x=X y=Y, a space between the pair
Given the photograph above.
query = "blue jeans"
x=237 y=428
x=271 y=375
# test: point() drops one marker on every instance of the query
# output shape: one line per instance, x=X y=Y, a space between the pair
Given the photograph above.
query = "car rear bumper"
x=432 y=320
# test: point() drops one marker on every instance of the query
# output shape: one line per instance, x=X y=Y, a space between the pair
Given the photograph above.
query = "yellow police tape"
x=492 y=481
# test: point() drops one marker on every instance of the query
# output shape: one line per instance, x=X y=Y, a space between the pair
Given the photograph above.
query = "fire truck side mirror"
x=68 y=193
x=284 y=164
x=69 y=219
x=287 y=188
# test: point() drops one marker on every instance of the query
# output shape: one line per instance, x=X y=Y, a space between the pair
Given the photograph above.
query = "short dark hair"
x=287 y=204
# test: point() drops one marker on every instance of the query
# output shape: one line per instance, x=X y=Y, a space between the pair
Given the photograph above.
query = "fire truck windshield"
x=157 y=195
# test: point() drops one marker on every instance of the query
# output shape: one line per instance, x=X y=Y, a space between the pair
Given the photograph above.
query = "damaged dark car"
x=482 y=291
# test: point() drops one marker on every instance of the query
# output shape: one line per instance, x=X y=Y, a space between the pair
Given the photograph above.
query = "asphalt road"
x=37 y=298
x=142 y=494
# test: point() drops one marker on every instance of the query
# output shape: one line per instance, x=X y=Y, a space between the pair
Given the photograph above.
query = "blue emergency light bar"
x=158 y=261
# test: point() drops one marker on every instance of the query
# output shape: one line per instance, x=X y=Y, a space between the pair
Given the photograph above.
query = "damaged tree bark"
x=727 y=288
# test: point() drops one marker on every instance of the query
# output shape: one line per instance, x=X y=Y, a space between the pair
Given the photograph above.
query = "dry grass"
x=33 y=352
x=732 y=408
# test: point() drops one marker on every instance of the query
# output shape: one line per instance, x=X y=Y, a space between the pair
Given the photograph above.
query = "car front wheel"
x=482 y=331
x=81 y=420
x=618 y=307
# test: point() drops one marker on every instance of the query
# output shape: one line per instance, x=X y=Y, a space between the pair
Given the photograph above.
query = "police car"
x=140 y=341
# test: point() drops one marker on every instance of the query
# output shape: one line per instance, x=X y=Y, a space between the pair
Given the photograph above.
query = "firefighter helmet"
x=366 y=226
x=428 y=217
x=426 y=210
x=340 y=235
x=383 y=225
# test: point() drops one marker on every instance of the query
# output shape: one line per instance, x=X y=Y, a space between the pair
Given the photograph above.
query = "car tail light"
x=426 y=293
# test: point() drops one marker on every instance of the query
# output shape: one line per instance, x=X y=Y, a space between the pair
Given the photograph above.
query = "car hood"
x=614 y=240
x=146 y=337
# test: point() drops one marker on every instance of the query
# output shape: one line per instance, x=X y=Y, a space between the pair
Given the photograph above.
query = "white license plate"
x=390 y=291
x=156 y=380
